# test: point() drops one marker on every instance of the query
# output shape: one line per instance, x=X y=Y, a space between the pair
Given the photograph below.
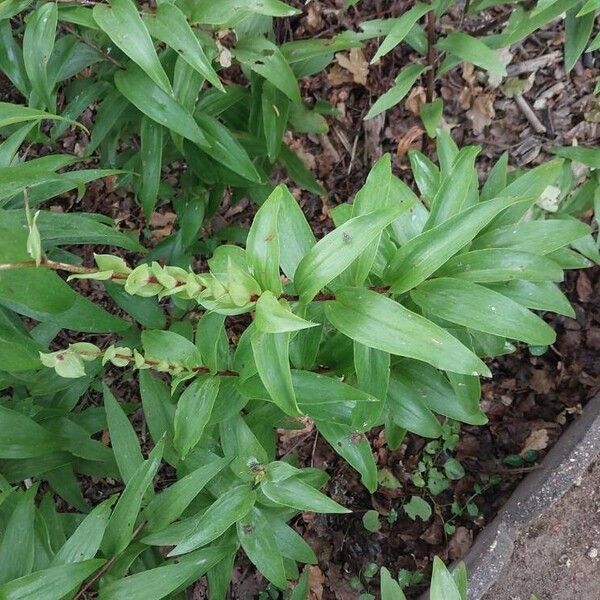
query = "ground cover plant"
x=383 y=323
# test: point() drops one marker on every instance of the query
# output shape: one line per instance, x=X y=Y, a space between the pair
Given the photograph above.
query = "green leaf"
x=170 y=347
x=496 y=179
x=18 y=540
x=162 y=582
x=457 y=399
x=159 y=412
x=22 y=437
x=263 y=244
x=390 y=588
x=151 y=138
x=577 y=34
x=225 y=148
x=425 y=254
x=120 y=529
x=265 y=58
x=400 y=29
x=409 y=411
x=537 y=237
x=50 y=584
x=292 y=227
x=228 y=509
x=157 y=104
x=38 y=43
x=431 y=114
x=257 y=537
x=354 y=448
x=379 y=322
x=170 y=26
x=18 y=351
x=450 y=198
x=275 y=111
x=537 y=295
x=482 y=309
x=271 y=355
x=274 y=317
x=338 y=249
x=124 y=26
x=291 y=544
x=212 y=13
x=500 y=264
x=123 y=438
x=425 y=172
x=193 y=412
x=169 y=505
x=85 y=541
x=588 y=156
x=472 y=50
x=298 y=172
x=417 y=507
x=443 y=586
x=453 y=469
x=402 y=85
x=296 y=494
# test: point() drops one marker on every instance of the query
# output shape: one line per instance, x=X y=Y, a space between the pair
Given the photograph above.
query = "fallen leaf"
x=482 y=112
x=584 y=287
x=416 y=98
x=541 y=382
x=460 y=543
x=408 y=139
x=356 y=63
x=537 y=440
x=162 y=224
x=316 y=579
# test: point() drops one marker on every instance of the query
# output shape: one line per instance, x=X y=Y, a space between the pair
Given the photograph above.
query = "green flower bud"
x=86 y=351
x=141 y=282
x=34 y=240
x=139 y=361
x=108 y=262
x=67 y=364
x=120 y=357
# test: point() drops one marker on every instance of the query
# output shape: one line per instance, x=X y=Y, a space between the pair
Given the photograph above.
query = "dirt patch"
x=558 y=556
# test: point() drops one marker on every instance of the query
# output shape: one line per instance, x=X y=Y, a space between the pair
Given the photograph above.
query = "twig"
x=93 y=46
x=431 y=55
x=529 y=114
x=104 y=568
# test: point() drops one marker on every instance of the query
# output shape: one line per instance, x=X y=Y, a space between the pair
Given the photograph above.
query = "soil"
x=530 y=399
x=557 y=557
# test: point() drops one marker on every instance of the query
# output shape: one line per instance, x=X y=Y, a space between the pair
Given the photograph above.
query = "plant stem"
x=431 y=55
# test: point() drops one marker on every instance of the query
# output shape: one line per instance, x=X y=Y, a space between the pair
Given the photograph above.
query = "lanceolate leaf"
x=170 y=26
x=52 y=583
x=38 y=43
x=124 y=26
x=168 y=506
x=123 y=437
x=193 y=412
x=85 y=541
x=473 y=50
x=355 y=448
x=151 y=137
x=263 y=244
x=23 y=438
x=271 y=355
x=379 y=322
x=119 y=531
x=338 y=249
x=479 y=308
x=161 y=582
x=257 y=537
x=273 y=317
x=426 y=253
x=231 y=507
x=296 y=494
x=154 y=102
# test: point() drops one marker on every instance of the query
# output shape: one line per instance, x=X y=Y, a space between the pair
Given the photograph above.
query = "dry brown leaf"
x=338 y=76
x=460 y=543
x=468 y=73
x=162 y=224
x=537 y=440
x=465 y=98
x=482 y=112
x=316 y=579
x=408 y=139
x=541 y=381
x=584 y=287
x=356 y=64
x=416 y=98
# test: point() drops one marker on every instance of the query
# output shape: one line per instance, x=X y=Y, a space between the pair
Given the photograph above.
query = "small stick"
x=529 y=114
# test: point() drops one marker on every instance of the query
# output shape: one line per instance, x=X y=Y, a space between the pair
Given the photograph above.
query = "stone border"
x=566 y=462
